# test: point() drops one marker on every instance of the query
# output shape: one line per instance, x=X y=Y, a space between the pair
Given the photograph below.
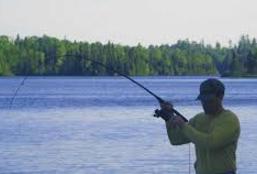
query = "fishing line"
x=16 y=91
x=189 y=158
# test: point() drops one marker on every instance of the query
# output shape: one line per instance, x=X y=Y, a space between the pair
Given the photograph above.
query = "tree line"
x=45 y=56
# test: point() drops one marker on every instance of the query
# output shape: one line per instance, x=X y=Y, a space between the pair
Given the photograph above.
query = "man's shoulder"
x=198 y=117
x=228 y=114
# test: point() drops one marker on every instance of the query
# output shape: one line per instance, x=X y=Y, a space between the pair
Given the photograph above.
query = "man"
x=214 y=132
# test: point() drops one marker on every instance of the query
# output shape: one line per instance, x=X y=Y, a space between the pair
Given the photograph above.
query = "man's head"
x=211 y=95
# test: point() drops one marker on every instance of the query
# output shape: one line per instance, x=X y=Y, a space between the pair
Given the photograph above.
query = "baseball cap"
x=210 y=88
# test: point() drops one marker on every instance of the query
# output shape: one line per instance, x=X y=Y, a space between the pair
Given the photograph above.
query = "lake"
x=105 y=125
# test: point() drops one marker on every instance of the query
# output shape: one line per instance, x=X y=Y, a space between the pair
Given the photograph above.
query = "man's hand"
x=166 y=111
x=177 y=122
x=166 y=106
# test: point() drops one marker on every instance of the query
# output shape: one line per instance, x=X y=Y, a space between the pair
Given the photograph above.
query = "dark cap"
x=211 y=88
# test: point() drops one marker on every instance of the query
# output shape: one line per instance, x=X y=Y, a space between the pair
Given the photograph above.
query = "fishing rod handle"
x=173 y=110
x=179 y=114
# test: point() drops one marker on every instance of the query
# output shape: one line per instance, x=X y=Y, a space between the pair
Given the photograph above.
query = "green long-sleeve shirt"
x=215 y=140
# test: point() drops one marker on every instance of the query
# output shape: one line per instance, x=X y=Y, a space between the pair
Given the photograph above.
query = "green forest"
x=46 y=56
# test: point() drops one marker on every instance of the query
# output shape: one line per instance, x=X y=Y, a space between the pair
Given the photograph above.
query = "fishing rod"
x=111 y=69
x=160 y=100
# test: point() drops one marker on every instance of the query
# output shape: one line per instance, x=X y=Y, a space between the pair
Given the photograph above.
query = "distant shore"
x=203 y=75
x=239 y=76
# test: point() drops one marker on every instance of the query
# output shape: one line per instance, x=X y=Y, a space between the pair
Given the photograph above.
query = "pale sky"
x=129 y=22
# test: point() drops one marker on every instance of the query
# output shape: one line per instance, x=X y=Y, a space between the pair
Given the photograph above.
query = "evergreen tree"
x=46 y=56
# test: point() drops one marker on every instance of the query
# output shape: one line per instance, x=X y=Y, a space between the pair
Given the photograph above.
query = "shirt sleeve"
x=176 y=135
x=224 y=132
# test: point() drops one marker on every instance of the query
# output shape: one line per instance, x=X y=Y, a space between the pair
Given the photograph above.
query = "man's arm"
x=225 y=132
x=175 y=134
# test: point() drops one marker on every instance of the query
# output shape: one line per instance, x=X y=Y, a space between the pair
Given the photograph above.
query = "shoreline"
x=207 y=75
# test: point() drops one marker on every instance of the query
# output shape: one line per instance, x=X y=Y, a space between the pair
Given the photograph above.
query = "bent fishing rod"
x=160 y=100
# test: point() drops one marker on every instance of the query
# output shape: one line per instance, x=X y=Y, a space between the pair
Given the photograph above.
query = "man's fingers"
x=166 y=106
x=176 y=122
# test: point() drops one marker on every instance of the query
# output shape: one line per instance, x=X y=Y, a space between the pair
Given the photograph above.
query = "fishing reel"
x=164 y=114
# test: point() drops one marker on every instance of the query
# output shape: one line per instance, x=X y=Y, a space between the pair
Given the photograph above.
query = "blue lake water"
x=105 y=124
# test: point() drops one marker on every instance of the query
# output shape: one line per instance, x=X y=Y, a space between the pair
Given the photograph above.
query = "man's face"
x=211 y=95
x=211 y=105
